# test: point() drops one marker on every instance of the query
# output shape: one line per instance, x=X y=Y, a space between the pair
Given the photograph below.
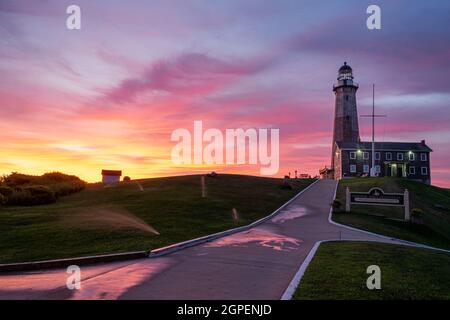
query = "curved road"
x=254 y=264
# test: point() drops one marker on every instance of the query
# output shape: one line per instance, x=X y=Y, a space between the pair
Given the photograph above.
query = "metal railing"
x=354 y=84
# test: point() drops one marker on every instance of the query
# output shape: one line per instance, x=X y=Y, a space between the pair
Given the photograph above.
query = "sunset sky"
x=108 y=96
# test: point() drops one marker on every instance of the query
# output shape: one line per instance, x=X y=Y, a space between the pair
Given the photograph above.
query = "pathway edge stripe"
x=290 y=290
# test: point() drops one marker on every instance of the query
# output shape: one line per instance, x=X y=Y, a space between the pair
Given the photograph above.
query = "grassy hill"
x=434 y=201
x=121 y=217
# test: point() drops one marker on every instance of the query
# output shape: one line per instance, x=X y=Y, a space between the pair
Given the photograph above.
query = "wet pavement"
x=254 y=264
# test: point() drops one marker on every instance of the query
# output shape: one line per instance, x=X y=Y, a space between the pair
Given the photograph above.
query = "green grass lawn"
x=173 y=206
x=338 y=271
x=387 y=220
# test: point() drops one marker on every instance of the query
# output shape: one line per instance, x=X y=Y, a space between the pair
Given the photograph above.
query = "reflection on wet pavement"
x=97 y=282
x=263 y=237
x=114 y=283
x=290 y=213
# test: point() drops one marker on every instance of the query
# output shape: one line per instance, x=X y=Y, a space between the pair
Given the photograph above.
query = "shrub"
x=18 y=179
x=6 y=191
x=65 y=188
x=2 y=199
x=337 y=205
x=53 y=177
x=126 y=178
x=32 y=195
x=417 y=213
x=417 y=216
x=22 y=189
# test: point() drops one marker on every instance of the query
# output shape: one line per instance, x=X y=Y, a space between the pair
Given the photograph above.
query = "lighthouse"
x=352 y=158
x=345 y=113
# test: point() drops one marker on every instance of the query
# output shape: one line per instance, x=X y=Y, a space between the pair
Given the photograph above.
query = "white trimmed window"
x=353 y=168
x=388 y=155
x=353 y=155
x=411 y=156
x=424 y=171
x=366 y=168
x=399 y=156
x=377 y=169
x=365 y=155
x=377 y=156
x=412 y=170
x=423 y=157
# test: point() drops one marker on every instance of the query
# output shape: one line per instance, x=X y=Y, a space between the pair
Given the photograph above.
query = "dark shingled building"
x=352 y=157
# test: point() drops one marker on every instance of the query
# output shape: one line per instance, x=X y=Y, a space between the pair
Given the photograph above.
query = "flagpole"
x=372 y=171
x=373 y=115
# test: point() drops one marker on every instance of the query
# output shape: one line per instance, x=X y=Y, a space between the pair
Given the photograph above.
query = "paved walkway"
x=254 y=264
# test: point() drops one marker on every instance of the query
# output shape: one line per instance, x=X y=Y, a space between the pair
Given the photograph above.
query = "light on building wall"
x=359 y=151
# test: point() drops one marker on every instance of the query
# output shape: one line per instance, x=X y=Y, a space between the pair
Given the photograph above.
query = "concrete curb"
x=290 y=290
x=64 y=263
x=194 y=242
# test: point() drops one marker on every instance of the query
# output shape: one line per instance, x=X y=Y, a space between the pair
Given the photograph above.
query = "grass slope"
x=387 y=220
x=338 y=271
x=172 y=205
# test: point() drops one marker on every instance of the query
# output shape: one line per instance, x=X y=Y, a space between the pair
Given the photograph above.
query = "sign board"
x=377 y=197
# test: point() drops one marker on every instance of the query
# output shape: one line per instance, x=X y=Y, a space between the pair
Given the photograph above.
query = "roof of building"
x=393 y=146
x=117 y=173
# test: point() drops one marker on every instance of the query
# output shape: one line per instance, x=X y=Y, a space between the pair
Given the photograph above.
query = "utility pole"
x=373 y=115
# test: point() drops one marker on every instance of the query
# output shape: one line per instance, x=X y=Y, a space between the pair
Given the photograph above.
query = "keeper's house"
x=392 y=159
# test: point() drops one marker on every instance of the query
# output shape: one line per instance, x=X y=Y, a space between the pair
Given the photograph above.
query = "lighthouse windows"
x=346 y=98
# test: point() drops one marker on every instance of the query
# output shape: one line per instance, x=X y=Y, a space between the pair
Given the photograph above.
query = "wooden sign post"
x=377 y=197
